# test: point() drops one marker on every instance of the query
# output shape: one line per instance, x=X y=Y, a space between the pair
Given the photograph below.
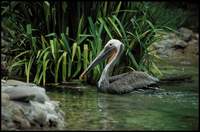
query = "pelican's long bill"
x=102 y=55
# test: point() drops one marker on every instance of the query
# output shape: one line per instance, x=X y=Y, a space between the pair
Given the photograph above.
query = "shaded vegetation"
x=56 y=40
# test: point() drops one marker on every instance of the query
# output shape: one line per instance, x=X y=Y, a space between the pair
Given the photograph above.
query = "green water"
x=174 y=108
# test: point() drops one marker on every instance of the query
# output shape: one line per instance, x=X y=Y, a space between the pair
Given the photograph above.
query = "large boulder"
x=26 y=106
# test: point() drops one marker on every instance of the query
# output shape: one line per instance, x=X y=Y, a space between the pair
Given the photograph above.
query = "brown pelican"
x=122 y=83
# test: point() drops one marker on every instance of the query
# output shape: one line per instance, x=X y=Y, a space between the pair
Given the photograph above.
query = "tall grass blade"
x=57 y=68
x=44 y=42
x=28 y=66
x=53 y=48
x=44 y=71
x=46 y=7
x=74 y=47
x=37 y=75
x=69 y=67
x=64 y=66
x=118 y=8
x=79 y=64
x=28 y=29
x=33 y=39
x=85 y=56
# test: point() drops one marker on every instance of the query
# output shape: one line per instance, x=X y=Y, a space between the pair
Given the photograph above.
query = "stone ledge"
x=29 y=114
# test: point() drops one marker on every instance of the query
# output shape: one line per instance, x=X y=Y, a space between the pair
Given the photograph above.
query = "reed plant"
x=57 y=46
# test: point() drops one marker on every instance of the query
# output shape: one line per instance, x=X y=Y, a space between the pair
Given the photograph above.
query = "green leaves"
x=106 y=27
x=122 y=28
x=65 y=43
x=59 y=56
x=115 y=27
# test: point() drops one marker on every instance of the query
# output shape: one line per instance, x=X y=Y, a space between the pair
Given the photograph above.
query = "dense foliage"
x=57 y=40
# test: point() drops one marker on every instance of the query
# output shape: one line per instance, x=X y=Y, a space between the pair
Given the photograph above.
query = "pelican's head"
x=112 y=50
x=114 y=43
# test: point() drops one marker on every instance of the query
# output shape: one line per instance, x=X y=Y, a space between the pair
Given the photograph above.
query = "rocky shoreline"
x=181 y=46
x=22 y=111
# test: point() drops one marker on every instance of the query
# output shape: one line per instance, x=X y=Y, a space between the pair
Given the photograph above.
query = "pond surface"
x=173 y=108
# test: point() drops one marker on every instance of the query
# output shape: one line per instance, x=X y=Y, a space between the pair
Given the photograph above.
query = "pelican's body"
x=123 y=83
x=127 y=82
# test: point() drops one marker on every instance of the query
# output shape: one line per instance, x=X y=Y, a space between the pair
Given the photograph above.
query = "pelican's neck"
x=104 y=79
x=103 y=82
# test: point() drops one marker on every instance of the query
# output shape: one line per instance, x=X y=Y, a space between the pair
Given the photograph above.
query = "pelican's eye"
x=110 y=44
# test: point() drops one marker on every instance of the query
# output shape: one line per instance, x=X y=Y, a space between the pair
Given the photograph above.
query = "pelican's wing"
x=130 y=81
x=114 y=78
